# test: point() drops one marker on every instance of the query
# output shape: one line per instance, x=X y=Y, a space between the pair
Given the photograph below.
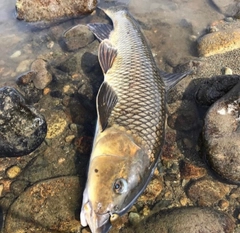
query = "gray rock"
x=22 y=128
x=39 y=10
x=213 y=89
x=222 y=135
x=188 y=220
x=77 y=37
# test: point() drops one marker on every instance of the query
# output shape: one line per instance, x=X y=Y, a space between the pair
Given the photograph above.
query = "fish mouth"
x=98 y=223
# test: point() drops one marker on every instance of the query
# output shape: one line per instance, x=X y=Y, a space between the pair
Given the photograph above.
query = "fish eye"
x=120 y=186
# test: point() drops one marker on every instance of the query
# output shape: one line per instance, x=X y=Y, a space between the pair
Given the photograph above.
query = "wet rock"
x=219 y=42
x=185 y=117
x=228 y=8
x=31 y=93
x=222 y=136
x=23 y=66
x=43 y=77
x=56 y=124
x=206 y=192
x=47 y=206
x=211 y=90
x=190 y=171
x=39 y=10
x=18 y=186
x=13 y=172
x=187 y=220
x=77 y=37
x=22 y=128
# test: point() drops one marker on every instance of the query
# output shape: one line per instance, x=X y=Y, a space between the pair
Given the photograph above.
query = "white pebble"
x=16 y=54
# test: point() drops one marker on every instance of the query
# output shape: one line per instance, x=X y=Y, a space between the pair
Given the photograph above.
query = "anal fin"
x=106 y=55
x=106 y=101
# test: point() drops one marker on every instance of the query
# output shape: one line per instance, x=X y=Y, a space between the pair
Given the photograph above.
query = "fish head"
x=113 y=179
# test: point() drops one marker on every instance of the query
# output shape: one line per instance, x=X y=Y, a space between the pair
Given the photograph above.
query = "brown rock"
x=207 y=192
x=42 y=77
x=190 y=171
x=45 y=10
x=45 y=207
x=219 y=42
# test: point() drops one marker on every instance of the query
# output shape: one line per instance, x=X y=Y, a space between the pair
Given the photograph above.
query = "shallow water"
x=171 y=27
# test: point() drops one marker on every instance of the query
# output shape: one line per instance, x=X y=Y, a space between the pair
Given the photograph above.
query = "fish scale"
x=141 y=110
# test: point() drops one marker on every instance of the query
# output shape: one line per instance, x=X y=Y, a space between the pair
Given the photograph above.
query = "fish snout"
x=98 y=223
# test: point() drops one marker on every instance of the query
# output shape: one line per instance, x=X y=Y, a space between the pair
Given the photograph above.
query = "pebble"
x=206 y=192
x=190 y=171
x=50 y=204
x=13 y=172
x=219 y=42
x=16 y=54
x=227 y=71
x=43 y=77
x=134 y=218
x=77 y=37
x=56 y=124
x=187 y=220
x=23 y=66
x=22 y=128
x=33 y=11
x=69 y=138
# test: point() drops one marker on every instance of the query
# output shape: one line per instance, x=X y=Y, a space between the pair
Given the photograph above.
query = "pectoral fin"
x=106 y=101
x=100 y=30
x=171 y=79
x=106 y=55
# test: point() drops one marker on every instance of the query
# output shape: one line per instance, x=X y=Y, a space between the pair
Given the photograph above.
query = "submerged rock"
x=77 y=37
x=22 y=128
x=222 y=135
x=48 y=206
x=44 y=10
x=187 y=220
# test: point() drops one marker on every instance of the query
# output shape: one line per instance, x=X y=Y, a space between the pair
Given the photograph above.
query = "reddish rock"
x=190 y=171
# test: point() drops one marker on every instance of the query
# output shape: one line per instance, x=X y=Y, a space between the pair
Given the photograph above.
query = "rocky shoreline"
x=195 y=187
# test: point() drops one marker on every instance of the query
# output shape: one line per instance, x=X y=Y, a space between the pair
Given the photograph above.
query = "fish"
x=130 y=128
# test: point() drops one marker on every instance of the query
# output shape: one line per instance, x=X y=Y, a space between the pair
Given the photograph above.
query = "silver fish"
x=131 y=121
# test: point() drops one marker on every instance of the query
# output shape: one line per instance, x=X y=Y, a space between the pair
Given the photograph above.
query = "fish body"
x=129 y=135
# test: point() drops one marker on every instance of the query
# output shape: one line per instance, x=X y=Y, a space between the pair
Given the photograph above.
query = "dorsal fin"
x=171 y=79
x=100 y=30
x=106 y=55
x=106 y=101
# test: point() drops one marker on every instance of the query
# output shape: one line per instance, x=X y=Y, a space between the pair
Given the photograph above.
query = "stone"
x=16 y=54
x=206 y=192
x=219 y=42
x=22 y=128
x=25 y=83
x=13 y=172
x=190 y=171
x=44 y=10
x=23 y=66
x=187 y=220
x=222 y=136
x=56 y=124
x=77 y=37
x=43 y=77
x=210 y=90
x=48 y=206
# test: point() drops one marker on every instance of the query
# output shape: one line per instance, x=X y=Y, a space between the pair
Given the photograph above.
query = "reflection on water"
x=169 y=29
